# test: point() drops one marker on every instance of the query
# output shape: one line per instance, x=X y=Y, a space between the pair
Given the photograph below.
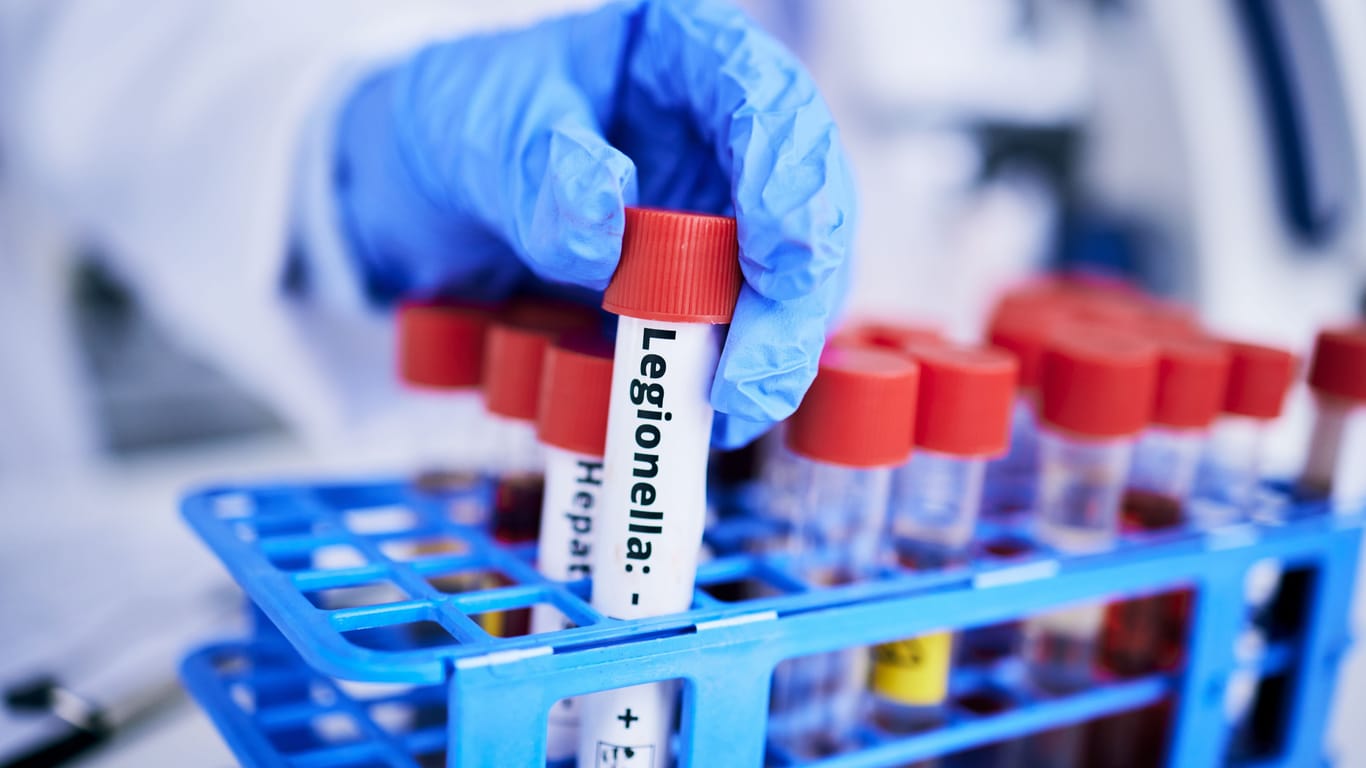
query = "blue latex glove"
x=481 y=162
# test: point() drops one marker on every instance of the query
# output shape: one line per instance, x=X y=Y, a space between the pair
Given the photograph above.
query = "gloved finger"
x=771 y=356
x=490 y=130
x=772 y=133
x=728 y=432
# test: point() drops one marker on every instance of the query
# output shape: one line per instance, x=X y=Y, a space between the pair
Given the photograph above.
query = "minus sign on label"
x=635 y=598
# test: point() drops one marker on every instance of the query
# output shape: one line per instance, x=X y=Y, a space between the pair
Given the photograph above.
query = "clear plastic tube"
x=1339 y=433
x=1165 y=465
x=935 y=499
x=1166 y=462
x=1080 y=492
x=1231 y=469
x=1011 y=481
x=1144 y=634
x=449 y=429
x=1081 y=487
x=838 y=519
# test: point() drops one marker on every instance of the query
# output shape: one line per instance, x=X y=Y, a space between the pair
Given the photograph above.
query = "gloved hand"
x=481 y=159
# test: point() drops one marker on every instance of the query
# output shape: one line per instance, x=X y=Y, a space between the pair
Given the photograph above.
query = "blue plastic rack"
x=352 y=575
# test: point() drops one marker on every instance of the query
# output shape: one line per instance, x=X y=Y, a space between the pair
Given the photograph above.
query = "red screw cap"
x=552 y=314
x=515 y=352
x=965 y=399
x=678 y=267
x=513 y=362
x=441 y=345
x=885 y=334
x=1192 y=376
x=859 y=412
x=1023 y=329
x=1339 y=365
x=1098 y=383
x=577 y=376
x=1258 y=379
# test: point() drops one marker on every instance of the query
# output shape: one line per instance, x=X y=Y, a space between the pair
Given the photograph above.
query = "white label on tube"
x=573 y=489
x=654 y=501
x=649 y=530
x=628 y=727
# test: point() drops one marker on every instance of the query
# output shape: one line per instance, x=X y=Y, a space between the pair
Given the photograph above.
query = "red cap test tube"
x=677 y=281
x=1097 y=389
x=1192 y=376
x=963 y=418
x=1258 y=379
x=441 y=364
x=572 y=427
x=1337 y=446
x=854 y=426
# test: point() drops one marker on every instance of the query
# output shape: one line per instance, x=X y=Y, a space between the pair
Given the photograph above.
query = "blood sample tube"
x=962 y=419
x=853 y=427
x=512 y=382
x=572 y=427
x=1336 y=465
x=440 y=360
x=677 y=282
x=1258 y=379
x=1097 y=390
x=513 y=362
x=1147 y=634
x=1192 y=377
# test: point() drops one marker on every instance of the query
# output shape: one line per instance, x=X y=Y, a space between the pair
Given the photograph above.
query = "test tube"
x=965 y=401
x=1336 y=465
x=1097 y=389
x=677 y=282
x=1192 y=377
x=1022 y=329
x=853 y=427
x=1258 y=379
x=572 y=427
x=1145 y=634
x=440 y=360
x=512 y=381
x=962 y=420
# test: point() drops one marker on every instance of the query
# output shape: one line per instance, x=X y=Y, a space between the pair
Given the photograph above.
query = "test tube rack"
x=404 y=675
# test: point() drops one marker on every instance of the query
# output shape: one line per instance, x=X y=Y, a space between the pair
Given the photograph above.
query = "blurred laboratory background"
x=1210 y=152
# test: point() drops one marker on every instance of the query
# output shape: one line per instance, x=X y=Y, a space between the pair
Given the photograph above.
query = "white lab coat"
x=184 y=138
x=193 y=142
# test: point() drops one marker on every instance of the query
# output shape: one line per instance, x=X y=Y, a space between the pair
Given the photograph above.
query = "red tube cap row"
x=860 y=410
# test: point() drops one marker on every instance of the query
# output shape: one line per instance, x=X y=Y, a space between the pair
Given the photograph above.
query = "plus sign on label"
x=627 y=718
